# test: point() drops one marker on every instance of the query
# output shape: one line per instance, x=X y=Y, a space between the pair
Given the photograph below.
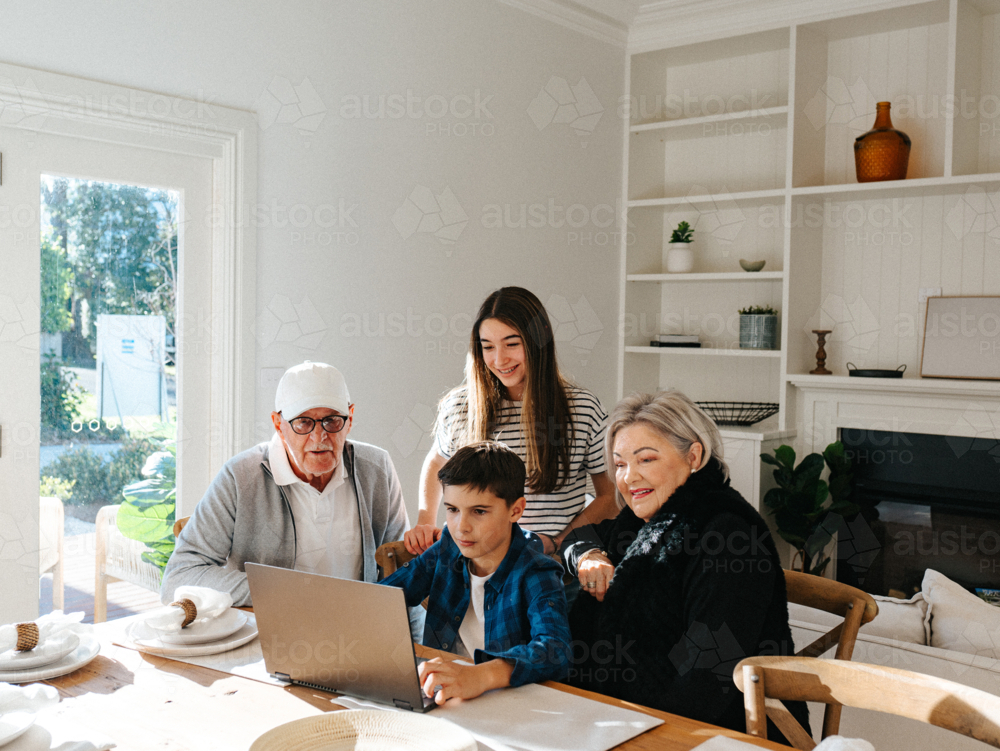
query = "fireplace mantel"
x=908 y=405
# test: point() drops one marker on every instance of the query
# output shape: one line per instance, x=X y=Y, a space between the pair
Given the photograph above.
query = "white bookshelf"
x=750 y=139
x=703 y=352
x=742 y=276
x=728 y=119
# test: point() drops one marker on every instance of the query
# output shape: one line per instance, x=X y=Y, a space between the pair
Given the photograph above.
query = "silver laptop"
x=337 y=635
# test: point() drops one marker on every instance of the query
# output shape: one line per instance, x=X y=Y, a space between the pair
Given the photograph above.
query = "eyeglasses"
x=306 y=425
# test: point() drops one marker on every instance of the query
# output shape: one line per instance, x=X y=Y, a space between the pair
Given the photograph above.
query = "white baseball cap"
x=309 y=386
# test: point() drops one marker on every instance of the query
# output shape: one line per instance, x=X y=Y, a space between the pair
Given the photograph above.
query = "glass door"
x=103 y=350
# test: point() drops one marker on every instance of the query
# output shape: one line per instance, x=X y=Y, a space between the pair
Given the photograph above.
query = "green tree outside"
x=120 y=244
x=57 y=287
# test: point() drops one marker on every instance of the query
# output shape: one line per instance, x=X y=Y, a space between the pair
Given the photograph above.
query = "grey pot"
x=758 y=332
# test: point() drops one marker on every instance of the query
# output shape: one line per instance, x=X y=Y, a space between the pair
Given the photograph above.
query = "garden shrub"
x=61 y=396
x=54 y=487
x=100 y=480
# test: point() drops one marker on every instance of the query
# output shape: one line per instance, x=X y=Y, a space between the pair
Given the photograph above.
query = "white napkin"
x=33 y=698
x=42 y=738
x=210 y=604
x=55 y=629
x=840 y=743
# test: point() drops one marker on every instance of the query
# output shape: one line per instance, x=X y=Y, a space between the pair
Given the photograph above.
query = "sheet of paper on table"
x=246 y=661
x=722 y=743
x=538 y=718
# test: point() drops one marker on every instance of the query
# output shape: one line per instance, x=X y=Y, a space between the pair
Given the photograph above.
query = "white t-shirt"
x=327 y=524
x=473 y=628
x=551 y=512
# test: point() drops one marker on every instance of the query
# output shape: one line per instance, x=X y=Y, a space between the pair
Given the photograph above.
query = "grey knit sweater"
x=245 y=516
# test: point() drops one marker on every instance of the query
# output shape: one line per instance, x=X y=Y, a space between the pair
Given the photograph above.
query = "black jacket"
x=696 y=589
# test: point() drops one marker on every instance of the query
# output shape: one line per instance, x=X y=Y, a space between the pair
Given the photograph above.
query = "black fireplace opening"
x=927 y=501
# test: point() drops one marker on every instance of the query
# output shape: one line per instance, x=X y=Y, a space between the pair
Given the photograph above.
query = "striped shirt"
x=545 y=513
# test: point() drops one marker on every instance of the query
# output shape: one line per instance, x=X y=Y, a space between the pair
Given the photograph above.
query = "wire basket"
x=738 y=413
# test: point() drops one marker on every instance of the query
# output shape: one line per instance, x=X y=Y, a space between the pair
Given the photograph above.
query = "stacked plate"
x=48 y=660
x=15 y=724
x=232 y=629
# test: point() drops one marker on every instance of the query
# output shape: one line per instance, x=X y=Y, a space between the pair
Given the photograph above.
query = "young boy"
x=494 y=596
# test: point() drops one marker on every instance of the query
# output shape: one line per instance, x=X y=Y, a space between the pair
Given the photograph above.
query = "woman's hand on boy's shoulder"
x=421 y=537
x=454 y=680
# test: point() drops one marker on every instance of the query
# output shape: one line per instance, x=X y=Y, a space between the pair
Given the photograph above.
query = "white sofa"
x=943 y=631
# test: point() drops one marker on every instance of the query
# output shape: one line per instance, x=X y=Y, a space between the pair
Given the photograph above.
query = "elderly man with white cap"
x=308 y=499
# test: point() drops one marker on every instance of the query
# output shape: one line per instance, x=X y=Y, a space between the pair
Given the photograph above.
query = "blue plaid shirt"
x=524 y=601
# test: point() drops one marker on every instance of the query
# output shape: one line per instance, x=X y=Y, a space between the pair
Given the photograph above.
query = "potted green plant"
x=758 y=327
x=678 y=257
x=148 y=512
x=799 y=504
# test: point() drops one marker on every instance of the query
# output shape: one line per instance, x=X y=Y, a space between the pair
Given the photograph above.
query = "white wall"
x=325 y=282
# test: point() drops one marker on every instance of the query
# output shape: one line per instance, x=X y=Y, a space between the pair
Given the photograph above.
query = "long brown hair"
x=546 y=421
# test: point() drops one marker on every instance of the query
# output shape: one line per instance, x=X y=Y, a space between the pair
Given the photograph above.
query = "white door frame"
x=57 y=105
x=62 y=105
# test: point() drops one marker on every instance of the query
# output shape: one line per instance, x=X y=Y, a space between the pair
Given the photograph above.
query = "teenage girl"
x=514 y=393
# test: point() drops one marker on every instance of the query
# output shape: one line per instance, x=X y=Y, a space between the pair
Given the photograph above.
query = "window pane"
x=109 y=257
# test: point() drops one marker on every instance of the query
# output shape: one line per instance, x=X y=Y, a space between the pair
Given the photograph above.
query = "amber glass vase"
x=883 y=152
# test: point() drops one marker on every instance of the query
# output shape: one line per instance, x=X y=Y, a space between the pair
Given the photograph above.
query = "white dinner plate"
x=146 y=640
x=212 y=629
x=15 y=724
x=39 y=656
x=84 y=653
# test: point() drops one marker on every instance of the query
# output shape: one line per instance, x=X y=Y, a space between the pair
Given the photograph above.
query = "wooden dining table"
x=149 y=703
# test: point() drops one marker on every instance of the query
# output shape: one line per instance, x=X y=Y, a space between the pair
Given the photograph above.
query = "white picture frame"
x=962 y=338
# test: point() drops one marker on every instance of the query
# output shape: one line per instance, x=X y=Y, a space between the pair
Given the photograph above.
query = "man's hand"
x=455 y=681
x=421 y=537
x=595 y=573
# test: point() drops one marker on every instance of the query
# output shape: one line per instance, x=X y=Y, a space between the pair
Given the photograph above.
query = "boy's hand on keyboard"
x=455 y=681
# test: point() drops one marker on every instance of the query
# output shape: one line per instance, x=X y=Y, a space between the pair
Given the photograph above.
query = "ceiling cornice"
x=669 y=22
x=576 y=17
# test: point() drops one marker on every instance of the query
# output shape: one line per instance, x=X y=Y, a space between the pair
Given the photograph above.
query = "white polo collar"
x=281 y=467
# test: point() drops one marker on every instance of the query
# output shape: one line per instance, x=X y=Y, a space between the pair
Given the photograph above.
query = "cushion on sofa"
x=902 y=620
x=958 y=620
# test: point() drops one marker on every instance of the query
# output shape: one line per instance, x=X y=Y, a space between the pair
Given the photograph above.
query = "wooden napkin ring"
x=27 y=636
x=190 y=611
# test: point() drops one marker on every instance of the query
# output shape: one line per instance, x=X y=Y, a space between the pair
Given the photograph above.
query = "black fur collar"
x=689 y=510
x=705 y=494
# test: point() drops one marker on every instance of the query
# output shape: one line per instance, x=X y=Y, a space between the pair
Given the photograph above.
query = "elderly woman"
x=685 y=581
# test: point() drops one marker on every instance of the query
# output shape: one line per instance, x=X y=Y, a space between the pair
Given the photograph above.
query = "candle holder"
x=821 y=353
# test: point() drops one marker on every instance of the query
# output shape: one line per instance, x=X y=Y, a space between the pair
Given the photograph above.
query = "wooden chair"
x=768 y=681
x=118 y=559
x=180 y=524
x=851 y=604
x=51 y=518
x=391 y=556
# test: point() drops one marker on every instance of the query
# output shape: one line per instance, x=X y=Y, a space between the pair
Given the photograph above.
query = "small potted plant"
x=758 y=327
x=678 y=258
